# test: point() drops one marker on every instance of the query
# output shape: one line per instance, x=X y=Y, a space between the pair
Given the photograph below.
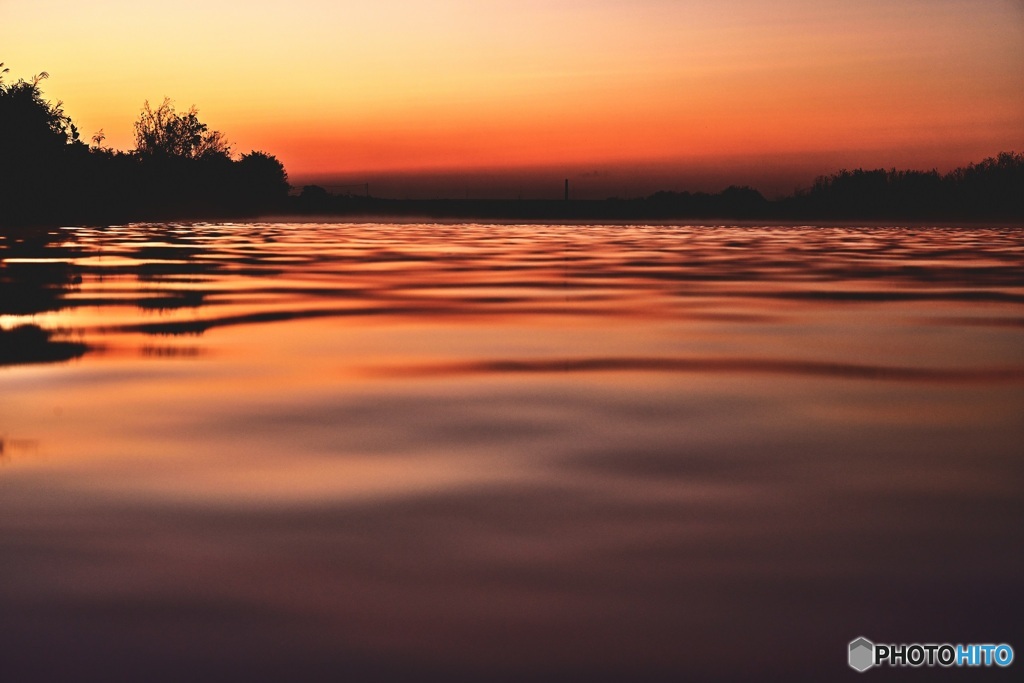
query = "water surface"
x=498 y=452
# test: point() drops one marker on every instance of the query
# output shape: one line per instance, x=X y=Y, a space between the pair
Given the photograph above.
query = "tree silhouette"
x=262 y=178
x=179 y=169
x=990 y=189
x=38 y=146
x=29 y=123
x=163 y=131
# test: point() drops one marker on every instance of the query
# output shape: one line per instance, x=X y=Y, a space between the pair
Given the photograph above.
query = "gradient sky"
x=671 y=92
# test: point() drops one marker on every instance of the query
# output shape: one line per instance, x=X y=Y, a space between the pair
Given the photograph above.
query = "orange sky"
x=390 y=88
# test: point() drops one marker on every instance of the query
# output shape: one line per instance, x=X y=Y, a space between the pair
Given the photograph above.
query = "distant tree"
x=264 y=175
x=993 y=186
x=740 y=201
x=314 y=193
x=314 y=198
x=165 y=132
x=97 y=139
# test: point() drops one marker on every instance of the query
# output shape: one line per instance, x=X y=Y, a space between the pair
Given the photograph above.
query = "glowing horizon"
x=445 y=86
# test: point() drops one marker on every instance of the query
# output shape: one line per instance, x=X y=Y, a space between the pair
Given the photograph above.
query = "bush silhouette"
x=164 y=132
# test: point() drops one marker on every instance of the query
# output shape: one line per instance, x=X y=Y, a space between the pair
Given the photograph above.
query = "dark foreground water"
x=299 y=452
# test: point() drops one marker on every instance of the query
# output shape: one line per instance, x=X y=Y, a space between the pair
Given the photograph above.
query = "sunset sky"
x=621 y=96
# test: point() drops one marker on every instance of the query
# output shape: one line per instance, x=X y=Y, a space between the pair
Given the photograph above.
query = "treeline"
x=735 y=202
x=178 y=169
x=990 y=190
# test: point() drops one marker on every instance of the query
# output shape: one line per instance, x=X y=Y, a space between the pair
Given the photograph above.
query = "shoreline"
x=582 y=212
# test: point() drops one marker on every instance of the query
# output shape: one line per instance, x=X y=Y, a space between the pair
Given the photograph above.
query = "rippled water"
x=496 y=452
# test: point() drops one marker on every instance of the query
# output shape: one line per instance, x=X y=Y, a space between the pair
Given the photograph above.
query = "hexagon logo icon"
x=862 y=654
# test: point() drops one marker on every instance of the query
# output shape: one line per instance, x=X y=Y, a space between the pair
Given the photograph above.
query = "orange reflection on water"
x=360 y=444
